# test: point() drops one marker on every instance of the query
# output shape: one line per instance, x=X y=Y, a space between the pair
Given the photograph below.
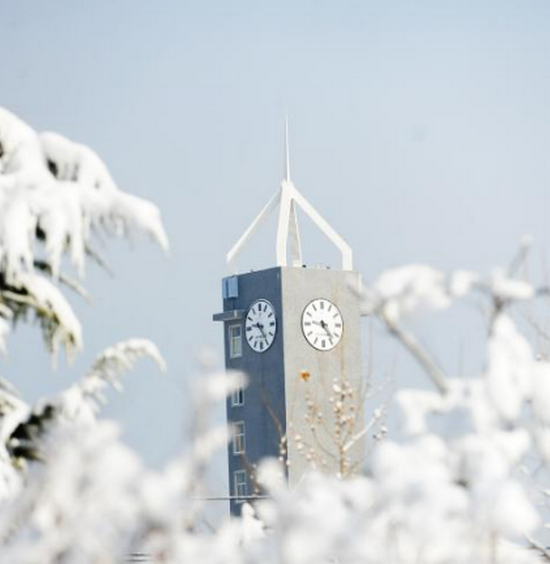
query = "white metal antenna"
x=288 y=198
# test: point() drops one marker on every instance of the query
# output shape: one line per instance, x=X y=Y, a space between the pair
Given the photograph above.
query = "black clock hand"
x=325 y=327
x=261 y=331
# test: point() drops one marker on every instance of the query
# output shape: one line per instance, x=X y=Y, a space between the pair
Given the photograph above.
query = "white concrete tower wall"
x=313 y=377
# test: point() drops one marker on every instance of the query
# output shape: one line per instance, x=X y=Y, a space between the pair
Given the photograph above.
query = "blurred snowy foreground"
x=72 y=493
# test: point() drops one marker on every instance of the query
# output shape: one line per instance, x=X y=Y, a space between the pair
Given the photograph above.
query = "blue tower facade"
x=256 y=414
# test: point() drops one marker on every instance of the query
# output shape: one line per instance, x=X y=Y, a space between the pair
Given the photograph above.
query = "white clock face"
x=260 y=325
x=322 y=324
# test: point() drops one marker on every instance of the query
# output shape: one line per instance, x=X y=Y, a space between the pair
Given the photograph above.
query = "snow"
x=428 y=499
x=65 y=520
x=49 y=300
x=509 y=375
x=4 y=330
x=400 y=292
x=506 y=288
x=461 y=283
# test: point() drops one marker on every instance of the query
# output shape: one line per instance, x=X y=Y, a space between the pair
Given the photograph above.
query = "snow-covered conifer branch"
x=25 y=430
x=55 y=197
x=81 y=401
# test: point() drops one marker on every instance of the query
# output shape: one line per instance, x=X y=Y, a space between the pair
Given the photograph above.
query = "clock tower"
x=295 y=332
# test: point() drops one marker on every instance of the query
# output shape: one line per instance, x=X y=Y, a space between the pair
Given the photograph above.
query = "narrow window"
x=238 y=438
x=239 y=485
x=235 y=341
x=237 y=398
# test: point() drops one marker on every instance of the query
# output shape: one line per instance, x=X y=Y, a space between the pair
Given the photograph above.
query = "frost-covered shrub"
x=476 y=497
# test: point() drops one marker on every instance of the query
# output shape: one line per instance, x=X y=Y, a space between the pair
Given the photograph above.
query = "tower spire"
x=287 y=151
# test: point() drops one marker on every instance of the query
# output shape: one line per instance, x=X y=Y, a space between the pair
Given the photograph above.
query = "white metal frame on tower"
x=287 y=199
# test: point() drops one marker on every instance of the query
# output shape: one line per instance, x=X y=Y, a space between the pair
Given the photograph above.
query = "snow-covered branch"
x=55 y=194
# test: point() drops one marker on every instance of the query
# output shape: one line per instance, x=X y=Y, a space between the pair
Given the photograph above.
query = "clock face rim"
x=270 y=343
x=303 y=326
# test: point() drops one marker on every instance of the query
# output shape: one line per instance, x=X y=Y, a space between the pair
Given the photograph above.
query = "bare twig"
x=93 y=254
x=420 y=355
x=358 y=436
x=519 y=258
x=538 y=547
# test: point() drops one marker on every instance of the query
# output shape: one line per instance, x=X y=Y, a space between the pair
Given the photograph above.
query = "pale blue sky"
x=421 y=130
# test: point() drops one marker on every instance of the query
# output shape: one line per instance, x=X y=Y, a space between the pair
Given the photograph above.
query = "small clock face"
x=322 y=324
x=260 y=325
